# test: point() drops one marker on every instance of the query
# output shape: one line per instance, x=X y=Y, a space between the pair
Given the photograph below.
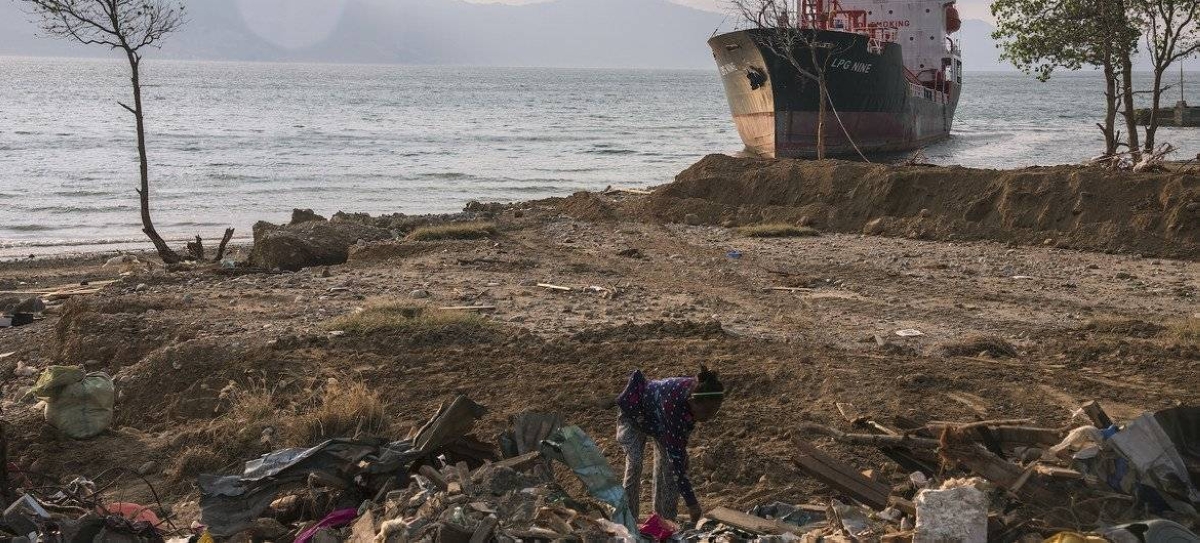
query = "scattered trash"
x=658 y=528
x=909 y=332
x=79 y=404
x=554 y=287
x=958 y=511
x=734 y=255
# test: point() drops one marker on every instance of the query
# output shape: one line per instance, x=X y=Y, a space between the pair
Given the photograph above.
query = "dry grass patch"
x=777 y=230
x=396 y=318
x=1186 y=331
x=1117 y=326
x=344 y=411
x=194 y=461
x=459 y=230
x=985 y=345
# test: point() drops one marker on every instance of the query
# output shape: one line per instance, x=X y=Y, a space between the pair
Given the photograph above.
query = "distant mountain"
x=980 y=52
x=561 y=33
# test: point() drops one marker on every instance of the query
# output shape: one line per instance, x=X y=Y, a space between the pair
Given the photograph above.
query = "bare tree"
x=792 y=36
x=1172 y=32
x=127 y=26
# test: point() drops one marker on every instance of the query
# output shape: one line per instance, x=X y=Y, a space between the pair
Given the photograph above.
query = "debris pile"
x=983 y=481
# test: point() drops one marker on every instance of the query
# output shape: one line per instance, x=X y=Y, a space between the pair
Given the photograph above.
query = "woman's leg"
x=666 y=490
x=633 y=441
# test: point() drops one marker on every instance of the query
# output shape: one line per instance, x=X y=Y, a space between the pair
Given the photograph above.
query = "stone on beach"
x=311 y=243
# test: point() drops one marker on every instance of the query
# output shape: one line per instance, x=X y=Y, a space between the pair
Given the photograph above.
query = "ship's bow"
x=744 y=74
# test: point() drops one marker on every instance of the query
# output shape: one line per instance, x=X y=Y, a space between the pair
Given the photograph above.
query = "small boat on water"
x=893 y=74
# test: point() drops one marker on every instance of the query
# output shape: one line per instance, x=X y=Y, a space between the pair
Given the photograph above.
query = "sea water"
x=233 y=143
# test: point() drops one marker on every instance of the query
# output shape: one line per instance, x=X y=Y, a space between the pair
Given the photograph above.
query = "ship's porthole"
x=889 y=12
x=910 y=38
x=926 y=10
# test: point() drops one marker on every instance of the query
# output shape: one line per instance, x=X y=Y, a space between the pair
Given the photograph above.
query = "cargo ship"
x=892 y=73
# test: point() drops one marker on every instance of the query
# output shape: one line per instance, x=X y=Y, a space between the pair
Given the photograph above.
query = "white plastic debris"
x=957 y=512
x=909 y=332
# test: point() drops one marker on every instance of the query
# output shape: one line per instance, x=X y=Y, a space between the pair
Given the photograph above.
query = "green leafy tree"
x=1041 y=36
x=1172 y=33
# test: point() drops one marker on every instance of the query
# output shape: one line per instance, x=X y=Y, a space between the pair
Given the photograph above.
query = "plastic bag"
x=77 y=403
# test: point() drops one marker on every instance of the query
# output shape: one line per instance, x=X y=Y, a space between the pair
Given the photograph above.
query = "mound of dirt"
x=586 y=206
x=1068 y=206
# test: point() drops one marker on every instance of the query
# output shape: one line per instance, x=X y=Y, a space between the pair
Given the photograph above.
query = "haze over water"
x=232 y=143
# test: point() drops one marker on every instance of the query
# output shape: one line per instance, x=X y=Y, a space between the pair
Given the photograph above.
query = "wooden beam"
x=749 y=523
x=841 y=477
x=1096 y=414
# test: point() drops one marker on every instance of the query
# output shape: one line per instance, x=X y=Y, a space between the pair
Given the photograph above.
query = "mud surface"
x=212 y=366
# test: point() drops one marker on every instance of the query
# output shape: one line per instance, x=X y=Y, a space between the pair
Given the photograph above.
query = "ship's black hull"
x=775 y=108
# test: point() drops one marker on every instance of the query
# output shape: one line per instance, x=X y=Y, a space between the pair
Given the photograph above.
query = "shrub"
x=459 y=230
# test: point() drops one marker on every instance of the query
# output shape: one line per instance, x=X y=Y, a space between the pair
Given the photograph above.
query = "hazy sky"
x=971 y=9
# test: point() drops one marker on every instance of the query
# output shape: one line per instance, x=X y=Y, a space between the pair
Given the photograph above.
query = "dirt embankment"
x=1065 y=206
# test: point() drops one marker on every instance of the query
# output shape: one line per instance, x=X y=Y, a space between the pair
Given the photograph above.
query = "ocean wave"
x=88 y=242
x=32 y=228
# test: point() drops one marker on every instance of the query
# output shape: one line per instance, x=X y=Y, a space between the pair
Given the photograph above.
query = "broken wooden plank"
x=555 y=287
x=452 y=421
x=748 y=523
x=874 y=440
x=483 y=532
x=841 y=477
x=1096 y=414
x=468 y=308
x=434 y=476
x=517 y=463
x=792 y=289
x=1023 y=483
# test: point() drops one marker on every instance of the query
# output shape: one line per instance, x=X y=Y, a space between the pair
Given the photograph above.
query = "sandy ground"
x=1085 y=325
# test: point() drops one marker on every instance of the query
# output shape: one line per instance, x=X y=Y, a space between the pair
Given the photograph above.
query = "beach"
x=552 y=311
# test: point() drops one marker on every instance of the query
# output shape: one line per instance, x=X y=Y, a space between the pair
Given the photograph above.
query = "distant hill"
x=979 y=50
x=561 y=33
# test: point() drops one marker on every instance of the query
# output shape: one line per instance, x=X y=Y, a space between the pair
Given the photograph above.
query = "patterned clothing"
x=660 y=410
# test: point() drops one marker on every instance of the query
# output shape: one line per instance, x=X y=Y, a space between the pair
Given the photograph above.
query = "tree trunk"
x=1156 y=101
x=1110 y=101
x=1131 y=121
x=821 y=109
x=168 y=256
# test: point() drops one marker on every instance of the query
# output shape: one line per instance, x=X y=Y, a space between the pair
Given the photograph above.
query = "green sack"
x=78 y=404
x=54 y=378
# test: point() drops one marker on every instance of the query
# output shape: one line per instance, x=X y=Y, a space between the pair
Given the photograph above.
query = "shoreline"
x=572 y=294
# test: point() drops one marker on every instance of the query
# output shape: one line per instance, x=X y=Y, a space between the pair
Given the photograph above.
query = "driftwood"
x=1000 y=434
x=195 y=249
